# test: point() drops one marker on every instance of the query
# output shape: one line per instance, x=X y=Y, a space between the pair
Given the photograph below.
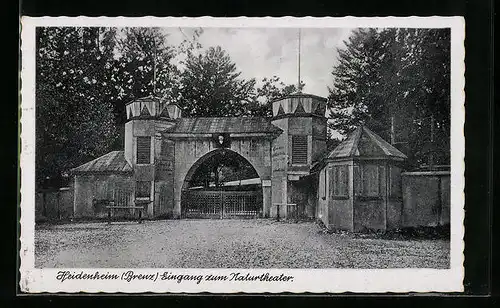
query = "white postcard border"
x=34 y=280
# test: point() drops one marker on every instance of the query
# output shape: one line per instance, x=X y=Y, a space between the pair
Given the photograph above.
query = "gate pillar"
x=266 y=195
x=178 y=182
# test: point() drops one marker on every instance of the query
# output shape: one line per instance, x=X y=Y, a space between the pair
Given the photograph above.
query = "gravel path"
x=225 y=244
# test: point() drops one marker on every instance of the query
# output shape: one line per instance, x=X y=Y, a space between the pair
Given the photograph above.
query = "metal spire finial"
x=154 y=66
x=298 y=82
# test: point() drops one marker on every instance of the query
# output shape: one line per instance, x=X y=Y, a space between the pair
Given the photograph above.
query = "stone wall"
x=426 y=198
x=54 y=205
x=279 y=167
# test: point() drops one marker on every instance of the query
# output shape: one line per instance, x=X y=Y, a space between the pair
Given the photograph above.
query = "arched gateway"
x=197 y=140
x=222 y=184
x=167 y=162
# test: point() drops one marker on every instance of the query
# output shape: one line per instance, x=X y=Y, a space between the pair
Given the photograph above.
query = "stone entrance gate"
x=196 y=140
x=163 y=150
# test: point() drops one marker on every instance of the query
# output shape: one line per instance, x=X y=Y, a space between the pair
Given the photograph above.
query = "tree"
x=190 y=44
x=144 y=65
x=74 y=118
x=211 y=85
x=357 y=94
x=428 y=85
x=395 y=78
x=271 y=89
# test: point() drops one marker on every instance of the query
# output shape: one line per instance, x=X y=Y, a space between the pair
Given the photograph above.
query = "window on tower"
x=299 y=149
x=144 y=150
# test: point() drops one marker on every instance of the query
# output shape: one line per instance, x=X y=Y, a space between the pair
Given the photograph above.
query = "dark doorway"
x=222 y=184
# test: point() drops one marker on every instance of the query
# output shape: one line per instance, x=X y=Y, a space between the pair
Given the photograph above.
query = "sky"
x=265 y=52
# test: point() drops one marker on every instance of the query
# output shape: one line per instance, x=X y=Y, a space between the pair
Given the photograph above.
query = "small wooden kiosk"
x=360 y=184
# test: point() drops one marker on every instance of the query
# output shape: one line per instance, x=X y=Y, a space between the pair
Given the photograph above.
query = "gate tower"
x=302 y=118
x=151 y=157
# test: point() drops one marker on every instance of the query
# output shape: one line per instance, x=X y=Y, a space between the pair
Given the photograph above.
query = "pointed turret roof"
x=300 y=108
x=145 y=111
x=365 y=143
x=280 y=110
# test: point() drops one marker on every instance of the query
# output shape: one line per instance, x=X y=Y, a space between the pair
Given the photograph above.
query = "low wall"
x=93 y=187
x=54 y=204
x=426 y=198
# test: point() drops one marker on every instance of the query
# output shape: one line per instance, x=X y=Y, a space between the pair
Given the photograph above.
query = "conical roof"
x=365 y=143
x=152 y=107
x=299 y=104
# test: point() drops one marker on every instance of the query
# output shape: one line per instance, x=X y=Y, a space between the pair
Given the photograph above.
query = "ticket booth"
x=360 y=184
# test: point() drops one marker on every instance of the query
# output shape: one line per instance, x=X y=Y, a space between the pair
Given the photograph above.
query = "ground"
x=257 y=243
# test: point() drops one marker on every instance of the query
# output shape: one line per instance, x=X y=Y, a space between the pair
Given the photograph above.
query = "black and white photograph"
x=250 y=154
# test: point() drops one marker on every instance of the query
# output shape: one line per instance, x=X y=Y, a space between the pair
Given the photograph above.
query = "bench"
x=111 y=207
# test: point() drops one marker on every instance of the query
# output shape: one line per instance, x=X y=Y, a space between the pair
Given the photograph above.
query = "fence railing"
x=221 y=204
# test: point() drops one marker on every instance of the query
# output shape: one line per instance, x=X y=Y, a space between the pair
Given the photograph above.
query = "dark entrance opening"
x=222 y=184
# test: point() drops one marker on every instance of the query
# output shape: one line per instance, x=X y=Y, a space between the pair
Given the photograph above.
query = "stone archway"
x=222 y=184
x=189 y=148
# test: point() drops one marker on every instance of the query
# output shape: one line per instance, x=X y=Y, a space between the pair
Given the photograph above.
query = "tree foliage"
x=85 y=76
x=190 y=44
x=144 y=65
x=74 y=118
x=211 y=85
x=271 y=89
x=398 y=77
x=218 y=170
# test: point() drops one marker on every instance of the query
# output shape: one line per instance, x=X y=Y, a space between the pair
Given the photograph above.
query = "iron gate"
x=221 y=204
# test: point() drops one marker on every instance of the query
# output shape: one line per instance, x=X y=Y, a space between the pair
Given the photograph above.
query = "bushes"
x=409 y=233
